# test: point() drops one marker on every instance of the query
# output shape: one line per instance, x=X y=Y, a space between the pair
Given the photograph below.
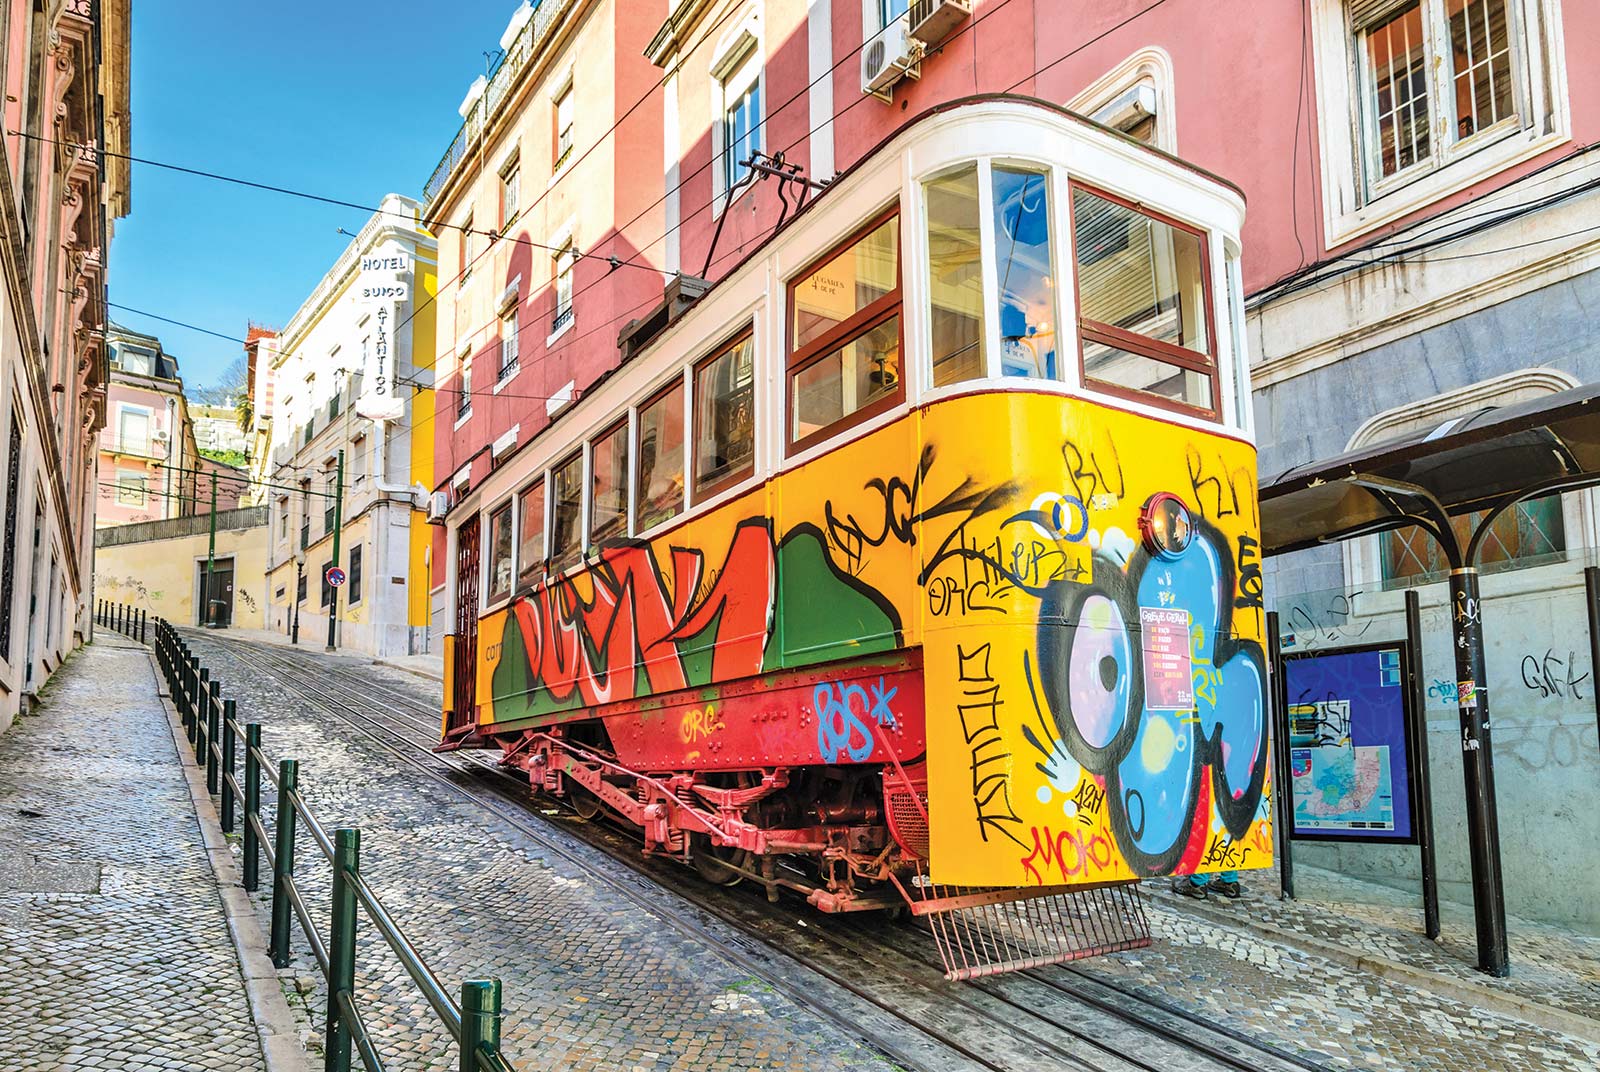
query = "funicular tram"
x=916 y=562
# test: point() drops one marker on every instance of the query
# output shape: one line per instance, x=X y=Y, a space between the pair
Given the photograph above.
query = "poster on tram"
x=1350 y=764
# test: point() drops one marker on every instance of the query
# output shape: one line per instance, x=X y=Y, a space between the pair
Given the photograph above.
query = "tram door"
x=466 y=646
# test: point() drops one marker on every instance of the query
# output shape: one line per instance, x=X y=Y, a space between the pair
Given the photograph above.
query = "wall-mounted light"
x=1165 y=525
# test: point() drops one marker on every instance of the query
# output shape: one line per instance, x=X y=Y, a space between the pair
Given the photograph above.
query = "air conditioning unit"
x=887 y=58
x=932 y=20
x=438 y=506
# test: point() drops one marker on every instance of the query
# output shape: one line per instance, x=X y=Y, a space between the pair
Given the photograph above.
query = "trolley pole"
x=338 y=523
x=211 y=558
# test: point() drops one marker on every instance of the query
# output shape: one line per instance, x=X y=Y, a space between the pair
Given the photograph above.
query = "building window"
x=1024 y=272
x=500 y=553
x=530 y=533
x=724 y=418
x=510 y=183
x=8 y=557
x=358 y=459
x=333 y=406
x=889 y=10
x=1529 y=534
x=1143 y=304
x=332 y=485
x=566 y=256
x=464 y=390
x=563 y=126
x=608 y=489
x=741 y=116
x=508 y=345
x=133 y=431
x=659 y=489
x=283 y=517
x=955 y=276
x=566 y=535
x=844 y=359
x=305 y=514
x=300 y=589
x=355 y=574
x=327 y=589
x=131 y=489
x=137 y=361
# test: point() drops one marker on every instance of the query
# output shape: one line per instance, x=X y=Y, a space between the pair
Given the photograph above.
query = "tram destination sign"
x=1350 y=732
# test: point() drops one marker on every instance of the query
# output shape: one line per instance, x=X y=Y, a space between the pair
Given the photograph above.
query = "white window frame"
x=463 y=391
x=737 y=66
x=510 y=190
x=1148 y=74
x=1350 y=208
x=126 y=480
x=123 y=410
x=561 y=159
x=509 y=339
x=566 y=250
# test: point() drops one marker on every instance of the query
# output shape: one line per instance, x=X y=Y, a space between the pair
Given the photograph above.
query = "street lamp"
x=294 y=609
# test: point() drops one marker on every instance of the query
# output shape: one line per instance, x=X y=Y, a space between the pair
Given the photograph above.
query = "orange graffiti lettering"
x=698 y=724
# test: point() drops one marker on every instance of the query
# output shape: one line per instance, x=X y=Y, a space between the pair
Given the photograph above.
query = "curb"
x=1483 y=997
x=437 y=679
x=281 y=1050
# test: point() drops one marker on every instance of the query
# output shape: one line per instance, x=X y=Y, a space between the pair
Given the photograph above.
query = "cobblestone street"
x=114 y=948
x=593 y=982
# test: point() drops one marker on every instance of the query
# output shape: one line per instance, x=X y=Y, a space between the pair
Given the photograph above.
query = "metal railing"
x=213 y=730
x=123 y=618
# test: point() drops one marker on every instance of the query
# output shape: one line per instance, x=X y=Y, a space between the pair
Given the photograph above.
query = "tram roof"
x=1494 y=456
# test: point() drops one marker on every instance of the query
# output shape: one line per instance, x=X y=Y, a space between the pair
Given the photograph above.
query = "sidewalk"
x=1555 y=972
x=114 y=943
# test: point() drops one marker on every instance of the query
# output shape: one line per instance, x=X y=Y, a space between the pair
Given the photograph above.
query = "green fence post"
x=213 y=735
x=202 y=714
x=480 y=1020
x=144 y=620
x=196 y=675
x=283 y=863
x=342 y=946
x=252 y=806
x=229 y=709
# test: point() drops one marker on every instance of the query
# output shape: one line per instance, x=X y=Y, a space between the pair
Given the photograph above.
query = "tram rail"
x=1063 y=1014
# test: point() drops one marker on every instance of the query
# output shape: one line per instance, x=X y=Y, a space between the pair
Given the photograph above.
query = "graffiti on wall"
x=1093 y=710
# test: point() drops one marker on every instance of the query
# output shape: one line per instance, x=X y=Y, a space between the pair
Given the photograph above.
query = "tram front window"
x=608 y=495
x=566 y=535
x=955 y=277
x=1023 y=269
x=848 y=379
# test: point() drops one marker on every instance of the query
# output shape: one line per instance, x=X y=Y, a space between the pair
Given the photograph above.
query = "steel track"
x=917 y=1001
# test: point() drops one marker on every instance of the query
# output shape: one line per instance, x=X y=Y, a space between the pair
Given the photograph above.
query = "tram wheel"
x=712 y=861
x=585 y=803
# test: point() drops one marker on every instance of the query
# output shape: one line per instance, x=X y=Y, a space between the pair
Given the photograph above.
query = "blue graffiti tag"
x=842 y=714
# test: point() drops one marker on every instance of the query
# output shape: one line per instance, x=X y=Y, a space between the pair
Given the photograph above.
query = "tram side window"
x=1024 y=270
x=724 y=418
x=566 y=534
x=1143 y=303
x=955 y=277
x=844 y=360
x=530 y=533
x=608 y=494
x=659 y=494
x=500 y=553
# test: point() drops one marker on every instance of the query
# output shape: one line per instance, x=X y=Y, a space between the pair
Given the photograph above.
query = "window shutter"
x=1365 y=14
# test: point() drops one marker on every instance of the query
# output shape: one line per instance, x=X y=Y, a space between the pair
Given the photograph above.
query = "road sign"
x=335 y=576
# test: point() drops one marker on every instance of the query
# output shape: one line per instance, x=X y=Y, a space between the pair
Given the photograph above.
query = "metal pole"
x=229 y=709
x=480 y=1020
x=342 y=946
x=213 y=736
x=211 y=557
x=299 y=573
x=1282 y=784
x=201 y=692
x=338 y=523
x=1422 y=795
x=252 y=805
x=283 y=863
x=1483 y=822
x=1591 y=590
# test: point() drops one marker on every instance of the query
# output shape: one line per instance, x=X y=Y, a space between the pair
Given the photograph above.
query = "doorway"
x=214 y=608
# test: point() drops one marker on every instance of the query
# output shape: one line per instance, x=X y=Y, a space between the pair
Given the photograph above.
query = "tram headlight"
x=1165 y=525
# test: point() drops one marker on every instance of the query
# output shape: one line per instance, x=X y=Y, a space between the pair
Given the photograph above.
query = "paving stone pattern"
x=590 y=981
x=114 y=950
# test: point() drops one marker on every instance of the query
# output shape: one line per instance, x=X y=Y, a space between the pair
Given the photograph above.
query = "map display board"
x=1349 y=713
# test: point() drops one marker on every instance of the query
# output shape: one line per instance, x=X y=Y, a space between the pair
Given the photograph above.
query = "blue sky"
x=345 y=99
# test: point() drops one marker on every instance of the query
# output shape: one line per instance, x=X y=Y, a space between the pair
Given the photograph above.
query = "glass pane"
x=848 y=283
x=1481 y=60
x=566 y=545
x=1139 y=274
x=530 y=545
x=660 y=490
x=854 y=376
x=724 y=416
x=500 y=552
x=955 y=277
x=1108 y=364
x=608 y=496
x=1530 y=533
x=1398 y=88
x=1024 y=273
x=741 y=132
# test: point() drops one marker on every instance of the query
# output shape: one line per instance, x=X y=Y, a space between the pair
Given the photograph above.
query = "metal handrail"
x=473 y=1024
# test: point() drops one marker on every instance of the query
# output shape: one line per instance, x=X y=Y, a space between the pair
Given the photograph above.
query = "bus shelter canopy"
x=1484 y=461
